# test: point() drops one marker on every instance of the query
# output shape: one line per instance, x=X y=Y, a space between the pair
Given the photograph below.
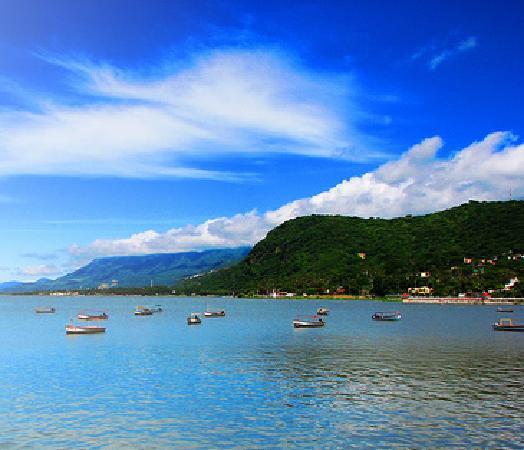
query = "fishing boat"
x=98 y=315
x=46 y=310
x=142 y=311
x=322 y=311
x=209 y=314
x=387 y=316
x=505 y=310
x=89 y=329
x=194 y=319
x=508 y=325
x=308 y=322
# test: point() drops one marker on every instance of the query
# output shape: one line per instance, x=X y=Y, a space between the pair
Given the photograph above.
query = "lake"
x=440 y=377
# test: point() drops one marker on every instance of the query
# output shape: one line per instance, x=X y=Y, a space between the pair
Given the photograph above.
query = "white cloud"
x=463 y=46
x=39 y=256
x=127 y=124
x=41 y=270
x=418 y=182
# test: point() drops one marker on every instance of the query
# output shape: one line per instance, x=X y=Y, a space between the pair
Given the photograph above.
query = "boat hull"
x=307 y=324
x=498 y=327
x=84 y=330
x=214 y=314
x=92 y=317
x=194 y=321
x=386 y=318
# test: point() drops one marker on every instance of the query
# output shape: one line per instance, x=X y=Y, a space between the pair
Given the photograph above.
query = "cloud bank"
x=418 y=182
x=226 y=102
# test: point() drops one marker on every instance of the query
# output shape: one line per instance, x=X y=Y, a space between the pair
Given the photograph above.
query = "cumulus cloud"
x=130 y=124
x=418 y=182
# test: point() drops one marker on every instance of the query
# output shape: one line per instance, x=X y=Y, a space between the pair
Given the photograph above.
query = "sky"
x=133 y=127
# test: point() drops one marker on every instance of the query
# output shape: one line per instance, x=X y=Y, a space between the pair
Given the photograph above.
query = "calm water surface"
x=439 y=377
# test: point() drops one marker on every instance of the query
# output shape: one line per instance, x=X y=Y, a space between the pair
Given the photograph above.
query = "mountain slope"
x=317 y=253
x=137 y=271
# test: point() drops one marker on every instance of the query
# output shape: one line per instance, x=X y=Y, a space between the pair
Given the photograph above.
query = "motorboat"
x=46 y=310
x=89 y=329
x=387 y=316
x=209 y=314
x=308 y=322
x=322 y=311
x=194 y=319
x=142 y=311
x=508 y=325
x=155 y=308
x=98 y=315
x=504 y=310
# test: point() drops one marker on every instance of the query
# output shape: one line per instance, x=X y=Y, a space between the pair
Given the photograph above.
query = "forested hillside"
x=318 y=253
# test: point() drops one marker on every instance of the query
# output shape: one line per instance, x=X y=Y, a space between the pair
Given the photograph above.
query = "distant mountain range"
x=135 y=271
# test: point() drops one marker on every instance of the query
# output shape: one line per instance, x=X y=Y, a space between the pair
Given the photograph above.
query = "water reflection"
x=250 y=380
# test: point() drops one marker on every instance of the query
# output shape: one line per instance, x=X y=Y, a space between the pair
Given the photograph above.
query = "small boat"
x=308 y=322
x=508 y=325
x=506 y=310
x=142 y=311
x=90 y=329
x=387 y=316
x=209 y=314
x=99 y=315
x=194 y=319
x=45 y=310
x=322 y=311
x=155 y=309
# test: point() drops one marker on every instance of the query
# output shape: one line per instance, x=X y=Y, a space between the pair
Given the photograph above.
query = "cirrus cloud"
x=436 y=56
x=225 y=102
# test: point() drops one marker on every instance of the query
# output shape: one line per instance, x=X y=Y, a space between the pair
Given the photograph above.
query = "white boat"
x=47 y=310
x=209 y=314
x=194 y=319
x=322 y=311
x=99 y=315
x=89 y=329
x=142 y=311
x=308 y=322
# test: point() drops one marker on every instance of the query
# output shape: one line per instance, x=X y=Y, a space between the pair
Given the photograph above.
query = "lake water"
x=440 y=377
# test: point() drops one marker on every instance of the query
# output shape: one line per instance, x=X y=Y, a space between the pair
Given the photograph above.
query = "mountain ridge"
x=135 y=271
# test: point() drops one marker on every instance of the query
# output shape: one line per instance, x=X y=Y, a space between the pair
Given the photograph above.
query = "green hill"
x=316 y=253
x=137 y=271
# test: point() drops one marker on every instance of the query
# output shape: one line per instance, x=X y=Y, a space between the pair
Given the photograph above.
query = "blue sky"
x=129 y=127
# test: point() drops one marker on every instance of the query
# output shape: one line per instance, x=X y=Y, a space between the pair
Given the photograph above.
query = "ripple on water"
x=250 y=380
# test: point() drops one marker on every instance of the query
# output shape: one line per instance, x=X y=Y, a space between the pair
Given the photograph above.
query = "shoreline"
x=385 y=299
